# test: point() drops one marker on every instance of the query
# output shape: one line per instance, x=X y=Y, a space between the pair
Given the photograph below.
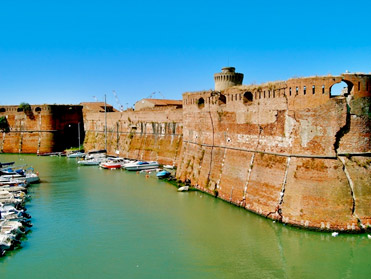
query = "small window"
x=231 y=97
x=305 y=90
x=260 y=95
x=313 y=89
x=200 y=103
x=222 y=99
x=269 y=93
x=247 y=97
x=264 y=94
x=274 y=94
x=359 y=86
x=38 y=109
x=297 y=90
x=323 y=89
x=290 y=91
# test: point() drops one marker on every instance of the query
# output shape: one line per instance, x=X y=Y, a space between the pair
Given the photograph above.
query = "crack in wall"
x=343 y=130
x=212 y=146
x=248 y=177
x=351 y=186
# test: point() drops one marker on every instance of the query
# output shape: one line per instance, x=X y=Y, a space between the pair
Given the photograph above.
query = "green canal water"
x=94 y=223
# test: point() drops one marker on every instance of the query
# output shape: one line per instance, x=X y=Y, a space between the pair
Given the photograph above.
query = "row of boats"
x=14 y=221
x=100 y=158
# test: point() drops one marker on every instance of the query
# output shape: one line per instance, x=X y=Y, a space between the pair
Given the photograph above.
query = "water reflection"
x=95 y=222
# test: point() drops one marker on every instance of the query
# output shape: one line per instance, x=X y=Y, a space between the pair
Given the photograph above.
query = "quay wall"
x=45 y=128
x=143 y=135
x=289 y=151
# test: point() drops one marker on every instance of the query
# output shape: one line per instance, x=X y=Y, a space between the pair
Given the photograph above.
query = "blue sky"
x=66 y=52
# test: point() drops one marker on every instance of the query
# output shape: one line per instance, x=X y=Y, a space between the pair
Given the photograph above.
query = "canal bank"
x=90 y=222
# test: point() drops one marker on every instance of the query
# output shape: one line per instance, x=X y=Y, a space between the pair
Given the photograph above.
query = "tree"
x=4 y=125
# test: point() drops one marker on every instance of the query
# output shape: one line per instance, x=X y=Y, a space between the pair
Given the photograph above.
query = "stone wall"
x=46 y=128
x=285 y=150
x=146 y=135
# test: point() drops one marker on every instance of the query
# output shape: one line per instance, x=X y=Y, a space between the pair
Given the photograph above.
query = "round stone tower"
x=227 y=78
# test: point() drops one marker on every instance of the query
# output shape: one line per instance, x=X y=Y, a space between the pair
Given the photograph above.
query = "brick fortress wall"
x=285 y=150
x=47 y=128
x=154 y=134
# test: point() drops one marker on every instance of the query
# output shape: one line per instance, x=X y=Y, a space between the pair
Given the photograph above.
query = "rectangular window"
x=269 y=93
x=313 y=89
x=305 y=90
x=323 y=89
x=297 y=90
x=359 y=86
x=264 y=94
x=274 y=94
x=260 y=95
x=290 y=91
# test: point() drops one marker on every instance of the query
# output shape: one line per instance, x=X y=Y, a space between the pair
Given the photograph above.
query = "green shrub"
x=4 y=125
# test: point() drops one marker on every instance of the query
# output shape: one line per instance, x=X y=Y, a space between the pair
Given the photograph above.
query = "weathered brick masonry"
x=286 y=150
x=46 y=128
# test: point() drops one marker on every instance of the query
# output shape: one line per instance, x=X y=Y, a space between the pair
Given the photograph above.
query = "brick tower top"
x=227 y=78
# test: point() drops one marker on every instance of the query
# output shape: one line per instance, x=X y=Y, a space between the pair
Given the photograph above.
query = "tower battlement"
x=227 y=78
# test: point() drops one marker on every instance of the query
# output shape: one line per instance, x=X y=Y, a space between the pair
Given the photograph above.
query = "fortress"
x=287 y=150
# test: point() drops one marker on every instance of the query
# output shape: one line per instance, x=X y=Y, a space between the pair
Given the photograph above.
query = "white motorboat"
x=90 y=162
x=113 y=163
x=77 y=154
x=141 y=165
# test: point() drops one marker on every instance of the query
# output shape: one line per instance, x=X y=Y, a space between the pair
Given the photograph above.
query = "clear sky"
x=66 y=52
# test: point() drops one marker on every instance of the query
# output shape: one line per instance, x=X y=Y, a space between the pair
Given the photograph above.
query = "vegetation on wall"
x=26 y=108
x=4 y=125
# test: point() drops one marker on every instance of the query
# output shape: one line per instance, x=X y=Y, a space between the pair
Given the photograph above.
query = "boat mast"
x=105 y=122
x=78 y=131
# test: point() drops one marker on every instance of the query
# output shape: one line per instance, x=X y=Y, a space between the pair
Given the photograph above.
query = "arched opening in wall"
x=38 y=109
x=222 y=100
x=341 y=89
x=247 y=97
x=70 y=136
x=200 y=103
x=2 y=109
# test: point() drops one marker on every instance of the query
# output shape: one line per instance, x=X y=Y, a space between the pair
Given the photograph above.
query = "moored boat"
x=113 y=163
x=141 y=165
x=163 y=174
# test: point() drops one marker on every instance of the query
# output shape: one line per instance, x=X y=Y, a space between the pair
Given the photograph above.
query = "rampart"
x=146 y=134
x=44 y=128
x=285 y=150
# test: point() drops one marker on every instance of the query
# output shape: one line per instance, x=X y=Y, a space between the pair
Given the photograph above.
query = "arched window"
x=222 y=100
x=38 y=109
x=340 y=89
x=200 y=103
x=305 y=90
x=247 y=97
